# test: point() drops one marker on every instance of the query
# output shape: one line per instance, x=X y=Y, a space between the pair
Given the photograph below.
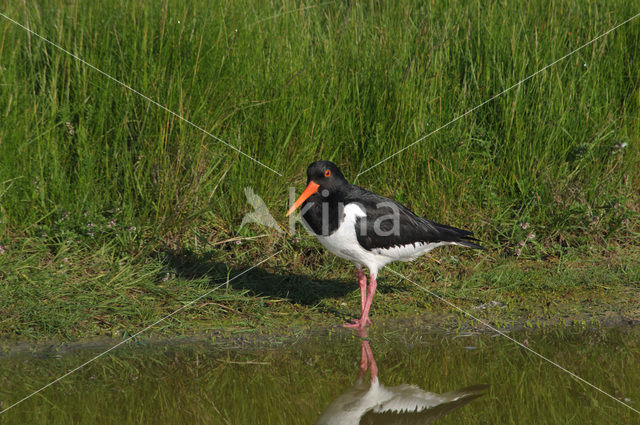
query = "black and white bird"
x=367 y=229
x=374 y=403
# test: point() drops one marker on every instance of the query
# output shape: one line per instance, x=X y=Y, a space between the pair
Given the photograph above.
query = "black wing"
x=425 y=416
x=389 y=223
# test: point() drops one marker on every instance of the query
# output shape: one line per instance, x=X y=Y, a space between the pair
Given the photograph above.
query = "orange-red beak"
x=310 y=190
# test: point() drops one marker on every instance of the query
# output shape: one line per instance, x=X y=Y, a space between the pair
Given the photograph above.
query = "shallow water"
x=317 y=377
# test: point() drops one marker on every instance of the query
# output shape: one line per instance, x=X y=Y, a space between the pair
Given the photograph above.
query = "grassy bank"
x=97 y=294
x=114 y=212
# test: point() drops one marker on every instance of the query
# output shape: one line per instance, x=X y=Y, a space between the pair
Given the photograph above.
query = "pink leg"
x=371 y=290
x=367 y=361
x=362 y=281
x=373 y=367
x=366 y=306
x=363 y=362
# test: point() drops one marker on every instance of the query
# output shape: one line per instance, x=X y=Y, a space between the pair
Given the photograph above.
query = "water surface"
x=449 y=378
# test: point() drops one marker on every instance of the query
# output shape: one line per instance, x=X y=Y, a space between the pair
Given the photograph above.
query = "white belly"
x=344 y=243
x=409 y=252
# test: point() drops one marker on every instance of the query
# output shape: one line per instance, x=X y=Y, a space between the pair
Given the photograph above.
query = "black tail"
x=467 y=242
x=459 y=236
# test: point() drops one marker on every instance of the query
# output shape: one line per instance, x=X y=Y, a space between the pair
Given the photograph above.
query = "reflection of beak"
x=312 y=188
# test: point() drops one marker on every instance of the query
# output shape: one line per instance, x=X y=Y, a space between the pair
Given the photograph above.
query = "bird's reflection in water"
x=369 y=402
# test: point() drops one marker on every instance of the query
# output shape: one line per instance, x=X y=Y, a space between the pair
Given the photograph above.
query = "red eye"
x=327 y=173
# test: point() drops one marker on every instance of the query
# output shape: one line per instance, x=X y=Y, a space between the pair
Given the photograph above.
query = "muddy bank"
x=443 y=323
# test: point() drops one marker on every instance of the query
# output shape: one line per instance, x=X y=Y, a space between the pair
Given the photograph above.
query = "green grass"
x=48 y=297
x=104 y=197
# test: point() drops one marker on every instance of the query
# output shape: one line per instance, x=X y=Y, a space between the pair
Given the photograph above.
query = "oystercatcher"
x=367 y=229
x=375 y=403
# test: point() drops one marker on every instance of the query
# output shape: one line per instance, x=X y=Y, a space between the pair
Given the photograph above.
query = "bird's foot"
x=358 y=323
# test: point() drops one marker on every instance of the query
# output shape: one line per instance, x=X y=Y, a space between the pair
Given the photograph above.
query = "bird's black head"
x=321 y=176
x=326 y=174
